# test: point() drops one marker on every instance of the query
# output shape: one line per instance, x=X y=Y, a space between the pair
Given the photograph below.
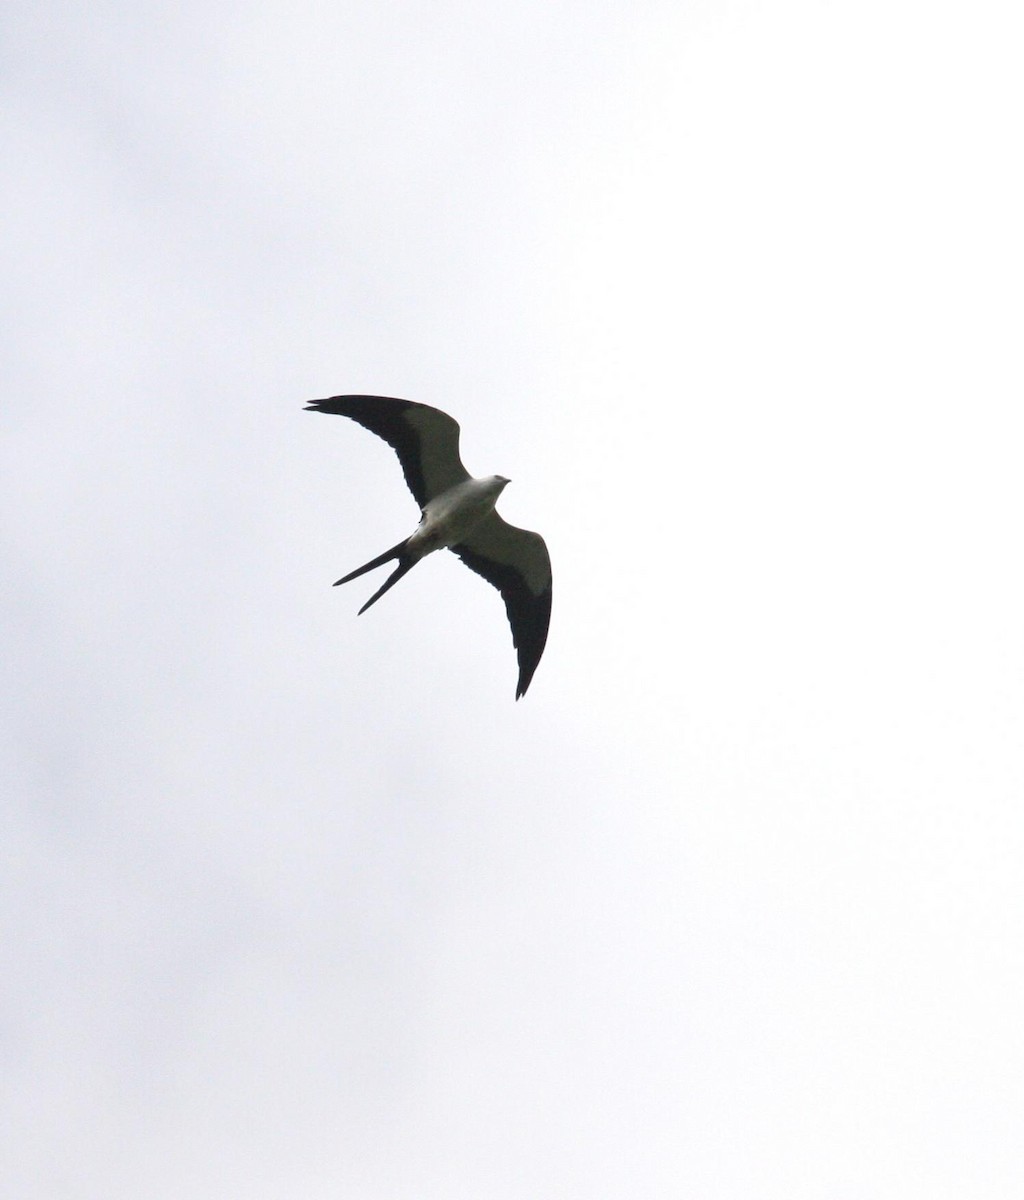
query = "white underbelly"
x=450 y=517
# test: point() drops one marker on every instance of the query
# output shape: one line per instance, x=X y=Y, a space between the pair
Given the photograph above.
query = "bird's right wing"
x=425 y=439
x=516 y=562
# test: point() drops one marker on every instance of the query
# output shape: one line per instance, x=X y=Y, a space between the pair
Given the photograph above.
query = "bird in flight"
x=457 y=514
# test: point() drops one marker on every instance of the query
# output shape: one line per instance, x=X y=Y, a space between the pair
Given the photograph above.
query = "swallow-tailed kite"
x=457 y=513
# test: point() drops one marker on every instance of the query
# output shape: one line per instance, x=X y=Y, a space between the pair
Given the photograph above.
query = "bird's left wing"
x=425 y=439
x=516 y=562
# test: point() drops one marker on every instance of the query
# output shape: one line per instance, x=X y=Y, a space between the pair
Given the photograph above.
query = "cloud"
x=300 y=902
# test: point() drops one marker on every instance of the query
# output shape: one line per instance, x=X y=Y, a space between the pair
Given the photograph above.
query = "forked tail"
x=405 y=563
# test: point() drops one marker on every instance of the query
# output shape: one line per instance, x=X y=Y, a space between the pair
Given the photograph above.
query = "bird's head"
x=489 y=487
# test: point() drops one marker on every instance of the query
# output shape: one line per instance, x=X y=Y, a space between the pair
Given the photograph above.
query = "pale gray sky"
x=300 y=904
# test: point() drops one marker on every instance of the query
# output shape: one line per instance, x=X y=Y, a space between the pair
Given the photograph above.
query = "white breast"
x=449 y=517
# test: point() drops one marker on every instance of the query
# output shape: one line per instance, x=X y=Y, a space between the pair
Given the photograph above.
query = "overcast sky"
x=300 y=904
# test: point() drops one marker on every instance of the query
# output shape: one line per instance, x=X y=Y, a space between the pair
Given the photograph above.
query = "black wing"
x=516 y=562
x=425 y=439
